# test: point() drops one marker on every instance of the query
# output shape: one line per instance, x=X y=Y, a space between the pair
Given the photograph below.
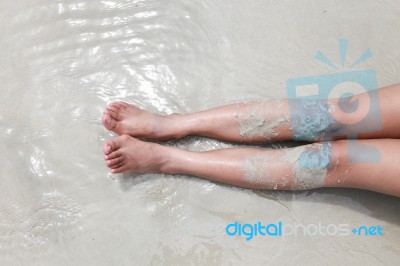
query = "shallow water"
x=63 y=61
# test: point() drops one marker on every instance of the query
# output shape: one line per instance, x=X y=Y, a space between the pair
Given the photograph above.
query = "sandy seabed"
x=62 y=61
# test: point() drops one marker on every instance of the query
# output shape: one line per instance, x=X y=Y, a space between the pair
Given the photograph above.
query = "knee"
x=312 y=120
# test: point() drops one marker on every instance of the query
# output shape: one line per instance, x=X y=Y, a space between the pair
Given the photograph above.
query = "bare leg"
x=326 y=164
x=252 y=122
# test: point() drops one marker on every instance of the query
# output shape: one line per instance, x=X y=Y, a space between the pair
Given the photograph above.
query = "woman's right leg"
x=257 y=122
x=328 y=164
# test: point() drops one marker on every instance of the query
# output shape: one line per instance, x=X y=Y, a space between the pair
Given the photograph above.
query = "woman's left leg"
x=269 y=121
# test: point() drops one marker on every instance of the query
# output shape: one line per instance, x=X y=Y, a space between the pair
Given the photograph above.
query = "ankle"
x=171 y=127
x=166 y=160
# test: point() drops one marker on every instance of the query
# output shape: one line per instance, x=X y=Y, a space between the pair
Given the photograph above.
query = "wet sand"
x=61 y=62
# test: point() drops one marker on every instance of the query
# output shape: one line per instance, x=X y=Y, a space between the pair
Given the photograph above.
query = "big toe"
x=111 y=146
x=108 y=121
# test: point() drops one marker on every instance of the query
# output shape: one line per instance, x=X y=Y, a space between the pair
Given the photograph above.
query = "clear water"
x=62 y=61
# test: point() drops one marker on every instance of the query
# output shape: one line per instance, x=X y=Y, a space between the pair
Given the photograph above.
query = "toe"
x=114 y=114
x=112 y=155
x=107 y=149
x=120 y=105
x=115 y=163
x=113 y=111
x=108 y=121
x=119 y=170
x=116 y=110
x=111 y=145
x=116 y=166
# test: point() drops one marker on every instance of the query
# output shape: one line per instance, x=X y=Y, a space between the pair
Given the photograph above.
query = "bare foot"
x=123 y=118
x=126 y=154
